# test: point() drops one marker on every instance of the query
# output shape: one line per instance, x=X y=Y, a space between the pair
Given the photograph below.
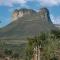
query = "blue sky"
x=8 y=6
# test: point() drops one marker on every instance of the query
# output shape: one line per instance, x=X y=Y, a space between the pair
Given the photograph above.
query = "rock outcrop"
x=20 y=13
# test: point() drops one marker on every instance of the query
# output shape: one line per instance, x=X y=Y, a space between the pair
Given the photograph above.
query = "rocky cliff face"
x=27 y=23
x=22 y=12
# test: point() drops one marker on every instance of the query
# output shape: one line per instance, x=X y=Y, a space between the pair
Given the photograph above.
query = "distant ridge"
x=27 y=23
x=57 y=25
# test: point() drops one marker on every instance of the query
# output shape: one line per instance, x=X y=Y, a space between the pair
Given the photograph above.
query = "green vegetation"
x=13 y=51
x=49 y=44
x=8 y=52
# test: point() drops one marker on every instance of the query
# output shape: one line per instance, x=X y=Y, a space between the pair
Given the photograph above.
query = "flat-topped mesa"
x=44 y=13
x=27 y=26
x=21 y=12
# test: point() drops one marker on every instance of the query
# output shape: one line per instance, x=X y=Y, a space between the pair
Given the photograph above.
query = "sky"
x=8 y=6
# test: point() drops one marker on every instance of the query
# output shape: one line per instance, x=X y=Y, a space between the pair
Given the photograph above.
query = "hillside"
x=31 y=23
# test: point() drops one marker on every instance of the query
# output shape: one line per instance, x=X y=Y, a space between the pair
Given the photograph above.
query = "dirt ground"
x=10 y=59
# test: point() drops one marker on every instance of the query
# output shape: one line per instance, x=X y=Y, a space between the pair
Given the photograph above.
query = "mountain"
x=27 y=23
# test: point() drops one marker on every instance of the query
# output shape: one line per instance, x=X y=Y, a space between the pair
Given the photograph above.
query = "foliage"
x=35 y=42
x=8 y=52
x=56 y=33
x=16 y=55
x=49 y=42
x=54 y=58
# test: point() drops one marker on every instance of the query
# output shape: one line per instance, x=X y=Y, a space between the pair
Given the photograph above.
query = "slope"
x=28 y=25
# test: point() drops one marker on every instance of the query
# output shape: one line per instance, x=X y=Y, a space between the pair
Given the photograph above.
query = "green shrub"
x=8 y=52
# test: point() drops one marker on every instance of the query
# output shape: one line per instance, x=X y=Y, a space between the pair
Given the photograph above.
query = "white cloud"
x=49 y=2
x=22 y=2
x=55 y=20
x=11 y=2
x=19 y=1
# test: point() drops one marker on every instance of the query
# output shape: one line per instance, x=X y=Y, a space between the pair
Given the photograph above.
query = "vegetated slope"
x=28 y=25
x=57 y=25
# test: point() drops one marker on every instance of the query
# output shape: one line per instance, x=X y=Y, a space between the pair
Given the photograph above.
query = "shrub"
x=8 y=52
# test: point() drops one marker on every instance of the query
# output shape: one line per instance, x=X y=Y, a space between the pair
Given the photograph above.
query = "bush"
x=54 y=58
x=8 y=52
